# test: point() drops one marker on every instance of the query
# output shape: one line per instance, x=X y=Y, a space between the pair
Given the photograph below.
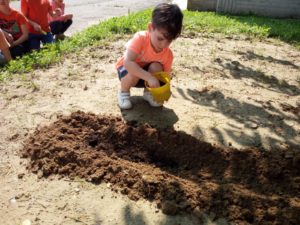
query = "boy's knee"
x=155 y=67
x=129 y=79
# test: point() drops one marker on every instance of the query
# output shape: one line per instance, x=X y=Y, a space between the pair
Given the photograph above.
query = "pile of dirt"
x=177 y=171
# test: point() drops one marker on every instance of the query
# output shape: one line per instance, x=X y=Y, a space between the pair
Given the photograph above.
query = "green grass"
x=194 y=22
x=287 y=30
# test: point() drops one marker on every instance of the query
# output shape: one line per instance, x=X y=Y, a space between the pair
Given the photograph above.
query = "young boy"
x=4 y=49
x=14 y=26
x=36 y=11
x=148 y=52
x=61 y=23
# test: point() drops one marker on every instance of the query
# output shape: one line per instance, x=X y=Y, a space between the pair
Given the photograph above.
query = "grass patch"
x=194 y=22
x=287 y=30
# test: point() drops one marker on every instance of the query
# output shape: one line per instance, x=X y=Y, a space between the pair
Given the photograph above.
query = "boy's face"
x=4 y=2
x=158 y=39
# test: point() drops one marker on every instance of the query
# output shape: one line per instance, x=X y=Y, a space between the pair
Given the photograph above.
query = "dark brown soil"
x=180 y=173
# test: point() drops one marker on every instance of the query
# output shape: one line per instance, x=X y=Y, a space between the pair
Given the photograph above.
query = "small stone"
x=26 y=222
x=197 y=212
x=253 y=125
x=85 y=88
x=149 y=179
x=12 y=201
x=40 y=174
x=77 y=190
x=21 y=175
x=169 y=208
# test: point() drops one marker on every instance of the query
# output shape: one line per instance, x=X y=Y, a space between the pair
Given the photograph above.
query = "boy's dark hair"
x=168 y=17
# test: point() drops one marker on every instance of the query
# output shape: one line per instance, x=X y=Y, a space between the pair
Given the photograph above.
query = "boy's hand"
x=68 y=17
x=9 y=38
x=57 y=12
x=153 y=82
x=36 y=27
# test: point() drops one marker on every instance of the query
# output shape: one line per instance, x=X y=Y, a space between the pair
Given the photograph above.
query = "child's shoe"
x=59 y=37
x=149 y=98
x=124 y=100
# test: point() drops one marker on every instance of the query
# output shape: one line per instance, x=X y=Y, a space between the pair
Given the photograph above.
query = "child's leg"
x=34 y=41
x=18 y=50
x=4 y=47
x=153 y=68
x=56 y=27
x=66 y=25
x=128 y=81
x=47 y=38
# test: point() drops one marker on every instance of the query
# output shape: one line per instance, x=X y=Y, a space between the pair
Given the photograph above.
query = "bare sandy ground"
x=229 y=91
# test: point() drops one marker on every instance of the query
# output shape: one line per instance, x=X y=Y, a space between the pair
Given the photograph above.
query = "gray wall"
x=202 y=5
x=270 y=8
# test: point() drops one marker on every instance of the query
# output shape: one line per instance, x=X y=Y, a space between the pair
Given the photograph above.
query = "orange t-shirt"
x=3 y=42
x=12 y=23
x=141 y=45
x=37 y=11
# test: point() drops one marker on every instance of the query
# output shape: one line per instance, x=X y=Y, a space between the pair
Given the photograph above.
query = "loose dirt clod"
x=177 y=171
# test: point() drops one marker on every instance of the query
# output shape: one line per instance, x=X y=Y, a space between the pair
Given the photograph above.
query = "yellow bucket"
x=162 y=93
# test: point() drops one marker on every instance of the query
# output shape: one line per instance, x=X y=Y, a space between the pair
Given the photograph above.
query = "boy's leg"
x=66 y=25
x=47 y=38
x=153 y=68
x=127 y=81
x=4 y=47
x=34 y=41
x=2 y=59
x=56 y=27
x=18 y=50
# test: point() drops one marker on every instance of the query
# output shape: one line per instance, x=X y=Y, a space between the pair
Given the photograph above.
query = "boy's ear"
x=150 y=26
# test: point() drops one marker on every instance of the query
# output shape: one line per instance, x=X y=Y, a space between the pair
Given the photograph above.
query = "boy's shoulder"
x=16 y=14
x=13 y=13
x=141 y=34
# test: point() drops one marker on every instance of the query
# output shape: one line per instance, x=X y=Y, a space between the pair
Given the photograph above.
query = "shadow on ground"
x=263 y=114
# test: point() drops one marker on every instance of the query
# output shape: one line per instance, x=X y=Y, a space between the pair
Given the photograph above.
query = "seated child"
x=62 y=22
x=14 y=26
x=148 y=52
x=36 y=11
x=4 y=49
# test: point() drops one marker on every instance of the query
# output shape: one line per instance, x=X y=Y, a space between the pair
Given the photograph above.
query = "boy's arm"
x=67 y=17
x=8 y=37
x=55 y=13
x=24 y=36
x=24 y=10
x=35 y=25
x=4 y=46
x=133 y=68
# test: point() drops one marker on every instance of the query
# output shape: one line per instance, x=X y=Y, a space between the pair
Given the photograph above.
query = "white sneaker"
x=124 y=100
x=149 y=98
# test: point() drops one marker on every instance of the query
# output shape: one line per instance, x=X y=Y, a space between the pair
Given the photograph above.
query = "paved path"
x=88 y=12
